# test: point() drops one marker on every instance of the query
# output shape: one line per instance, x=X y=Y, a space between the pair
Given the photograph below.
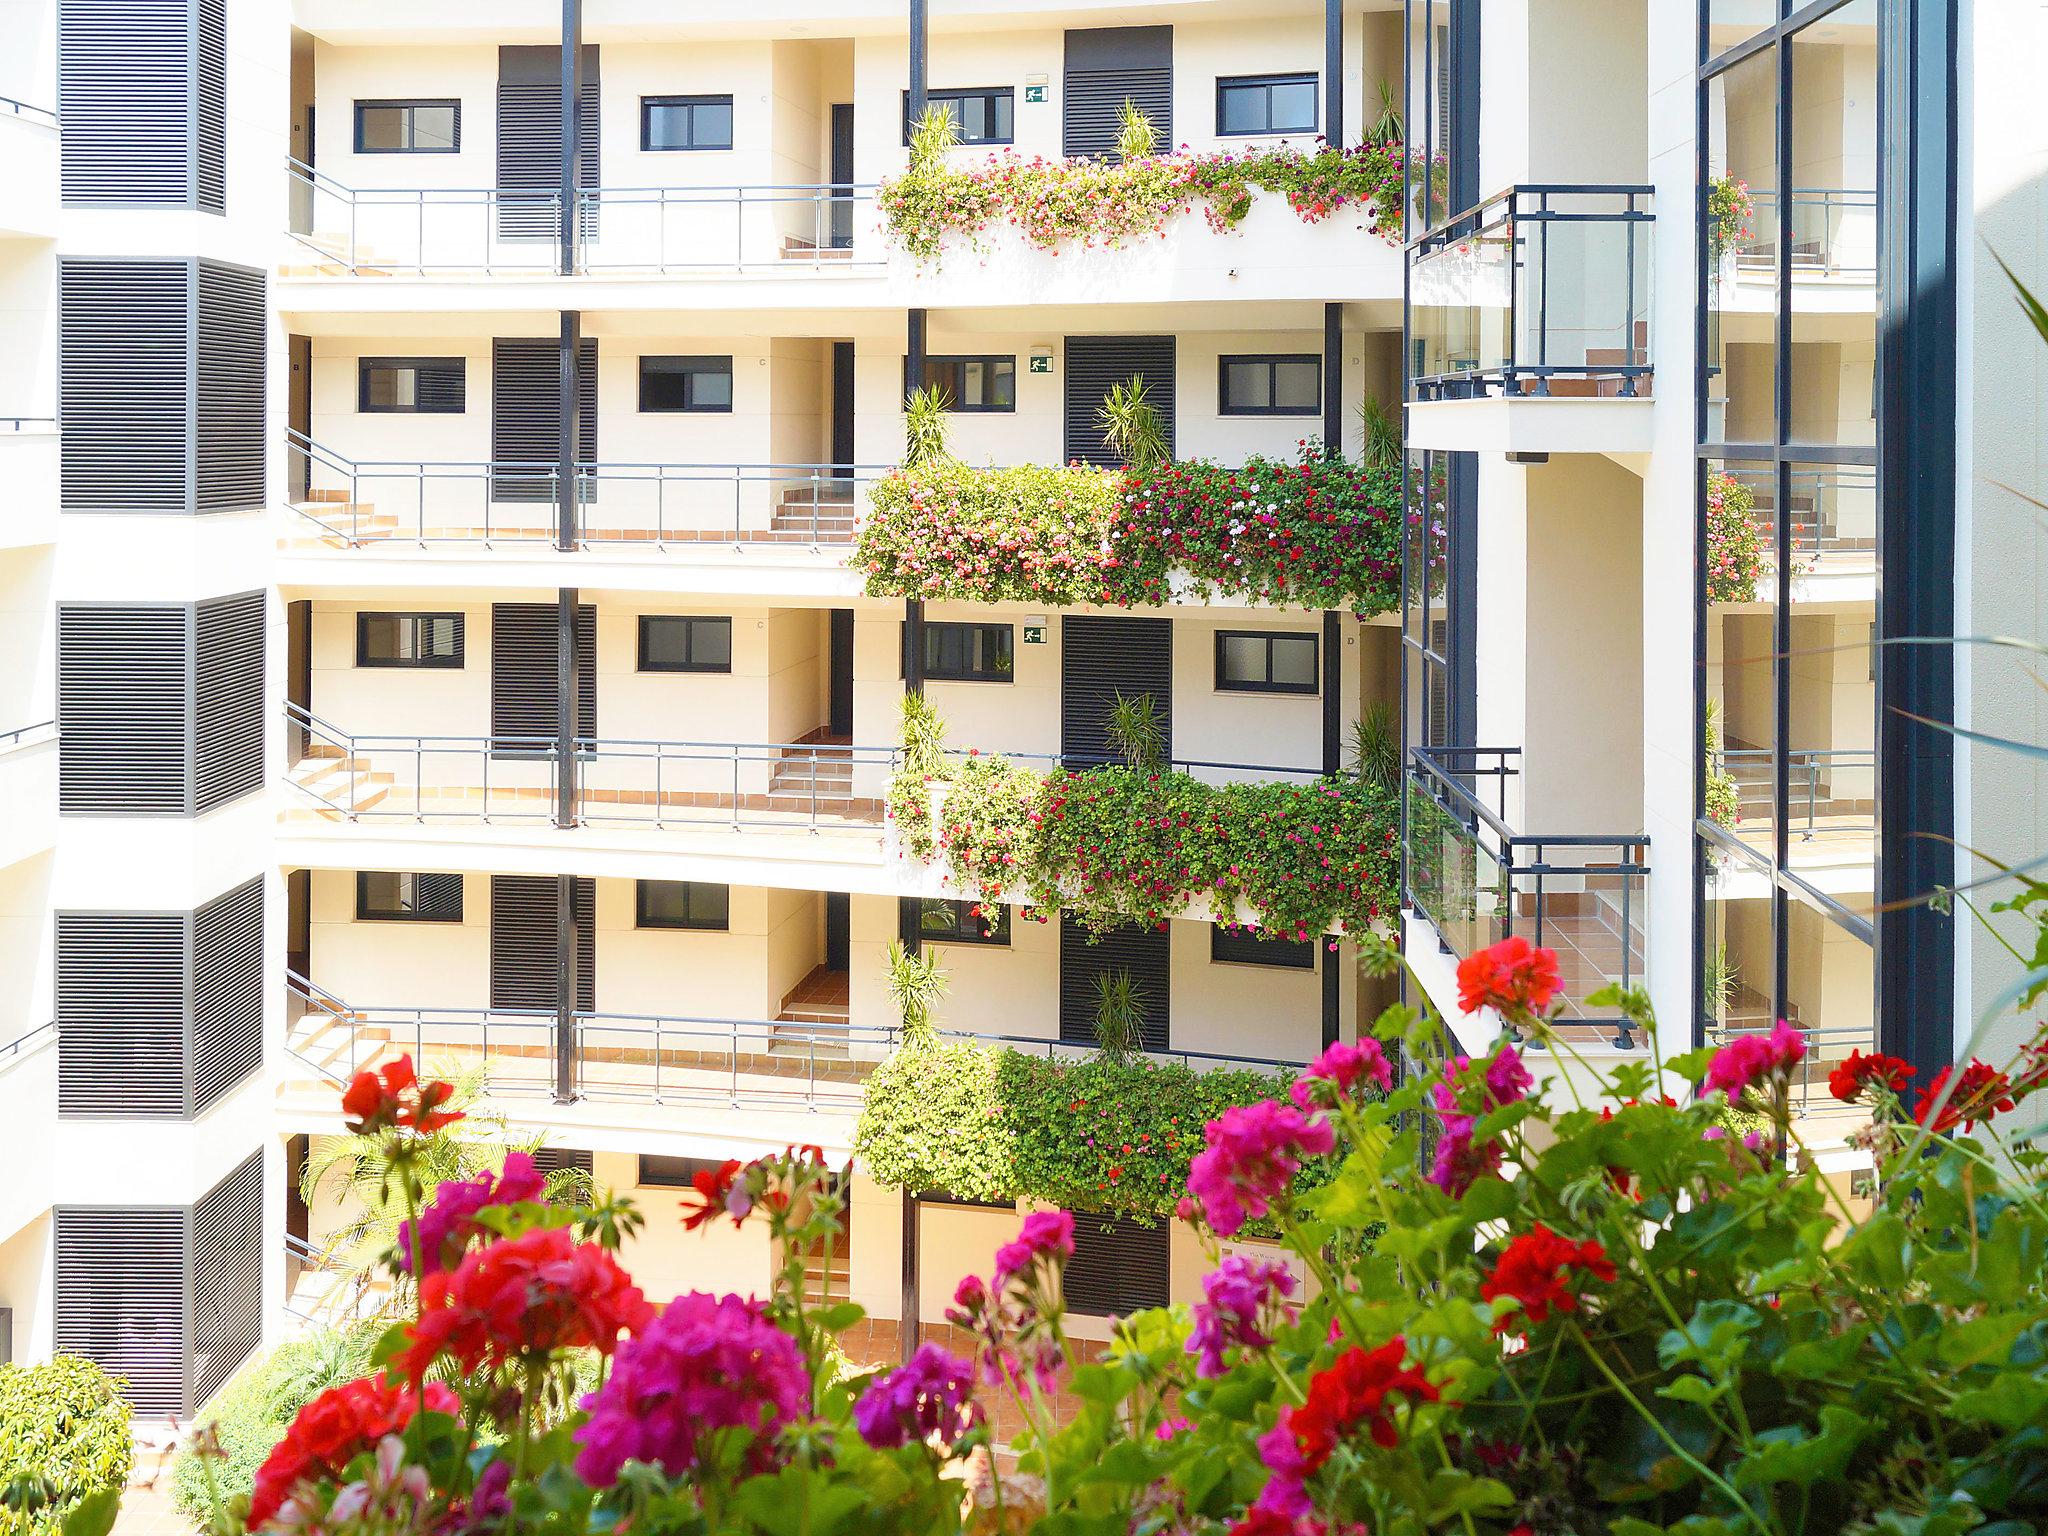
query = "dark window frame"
x=1251 y=946
x=421 y=914
x=1301 y=690
x=451 y=663
x=944 y=95
x=693 y=364
x=1227 y=83
x=688 y=619
x=689 y=101
x=643 y=918
x=366 y=365
x=954 y=400
x=408 y=105
x=655 y=1170
x=939 y=630
x=967 y=927
x=1271 y=360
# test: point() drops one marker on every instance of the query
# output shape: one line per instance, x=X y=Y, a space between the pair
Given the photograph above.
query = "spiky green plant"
x=923 y=735
x=917 y=984
x=930 y=137
x=1388 y=128
x=1382 y=427
x=1119 y=1015
x=1135 y=139
x=924 y=426
x=1137 y=730
x=1132 y=427
x=1376 y=746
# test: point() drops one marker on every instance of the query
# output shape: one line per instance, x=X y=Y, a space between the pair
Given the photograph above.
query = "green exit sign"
x=1042 y=364
x=1034 y=93
x=1034 y=634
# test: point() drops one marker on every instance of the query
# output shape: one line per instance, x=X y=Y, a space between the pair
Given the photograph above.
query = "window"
x=683 y=904
x=685 y=122
x=426 y=386
x=969 y=653
x=408 y=639
x=677 y=643
x=686 y=383
x=1266 y=104
x=674 y=1172
x=971 y=383
x=961 y=922
x=982 y=115
x=395 y=898
x=1261 y=661
x=1284 y=384
x=1249 y=946
x=408 y=127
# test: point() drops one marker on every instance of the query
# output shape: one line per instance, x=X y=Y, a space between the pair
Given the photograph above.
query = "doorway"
x=842 y=410
x=1102 y=660
x=299 y=417
x=842 y=175
x=839 y=725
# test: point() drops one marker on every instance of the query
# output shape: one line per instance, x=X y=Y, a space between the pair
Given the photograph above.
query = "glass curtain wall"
x=1788 y=523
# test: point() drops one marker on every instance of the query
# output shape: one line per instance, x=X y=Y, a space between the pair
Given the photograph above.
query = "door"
x=842 y=410
x=1094 y=365
x=841 y=722
x=298 y=942
x=524 y=693
x=1102 y=659
x=838 y=931
x=299 y=417
x=529 y=141
x=298 y=678
x=842 y=175
x=1143 y=954
x=523 y=942
x=1105 y=67
x=526 y=415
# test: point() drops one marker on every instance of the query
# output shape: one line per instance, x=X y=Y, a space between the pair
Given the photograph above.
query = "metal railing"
x=619 y=505
x=386 y=231
x=1832 y=511
x=1834 y=231
x=348 y=1301
x=28 y=112
x=1539 y=290
x=1826 y=1045
x=1478 y=881
x=499 y=778
x=28 y=735
x=1814 y=781
x=651 y=1058
x=21 y=426
x=26 y=1043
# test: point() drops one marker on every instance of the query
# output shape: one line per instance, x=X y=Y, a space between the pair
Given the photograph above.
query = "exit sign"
x=1041 y=364
x=1034 y=634
x=1034 y=93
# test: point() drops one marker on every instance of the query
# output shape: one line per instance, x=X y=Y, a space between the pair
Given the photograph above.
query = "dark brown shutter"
x=1095 y=364
x=120 y=1302
x=530 y=139
x=1144 y=953
x=226 y=1283
x=1105 y=67
x=526 y=414
x=523 y=942
x=1119 y=1266
x=1101 y=658
x=524 y=675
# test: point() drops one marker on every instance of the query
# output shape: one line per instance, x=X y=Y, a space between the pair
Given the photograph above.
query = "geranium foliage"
x=1314 y=531
x=1056 y=203
x=1736 y=558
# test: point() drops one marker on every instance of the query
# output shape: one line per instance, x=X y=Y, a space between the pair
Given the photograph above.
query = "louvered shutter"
x=227 y=699
x=524 y=676
x=123 y=387
x=120 y=1299
x=229 y=375
x=1094 y=365
x=1119 y=1266
x=142 y=95
x=227 y=993
x=124 y=742
x=523 y=942
x=122 y=1004
x=226 y=1279
x=1100 y=659
x=526 y=414
x=549 y=1160
x=530 y=141
x=1105 y=67
x=1145 y=954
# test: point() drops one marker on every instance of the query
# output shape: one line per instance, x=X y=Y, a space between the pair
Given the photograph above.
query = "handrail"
x=28 y=1039
x=22 y=425
x=41 y=116
x=1436 y=234
x=12 y=739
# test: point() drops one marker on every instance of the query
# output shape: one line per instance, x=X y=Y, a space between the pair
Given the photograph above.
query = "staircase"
x=823 y=510
x=325 y=771
x=797 y=248
x=335 y=248
x=819 y=766
x=822 y=997
x=330 y=1042
x=1607 y=357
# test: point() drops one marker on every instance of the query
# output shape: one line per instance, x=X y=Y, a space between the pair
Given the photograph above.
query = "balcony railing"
x=1478 y=881
x=27 y=735
x=1540 y=290
x=27 y=112
x=360 y=502
x=417 y=231
x=638 y=1058
x=1830 y=790
x=1834 y=233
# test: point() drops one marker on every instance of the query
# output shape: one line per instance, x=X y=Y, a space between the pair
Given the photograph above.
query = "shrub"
x=1736 y=559
x=64 y=1427
x=931 y=1118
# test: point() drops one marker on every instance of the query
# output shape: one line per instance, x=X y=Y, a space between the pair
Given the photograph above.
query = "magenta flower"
x=449 y=1221
x=1340 y=1067
x=1044 y=1235
x=1243 y=1301
x=1747 y=1059
x=705 y=1363
x=1507 y=1080
x=1280 y=1450
x=930 y=1397
x=1461 y=1159
x=1253 y=1150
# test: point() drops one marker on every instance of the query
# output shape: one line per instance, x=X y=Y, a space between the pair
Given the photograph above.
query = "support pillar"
x=1333 y=762
x=920 y=58
x=569 y=432
x=1333 y=73
x=572 y=100
x=566 y=979
x=566 y=699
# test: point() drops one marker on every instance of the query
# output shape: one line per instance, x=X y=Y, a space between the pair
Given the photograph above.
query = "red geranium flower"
x=1981 y=1092
x=332 y=1430
x=1356 y=1390
x=525 y=1296
x=1851 y=1077
x=1513 y=976
x=393 y=1095
x=1535 y=1270
x=711 y=1186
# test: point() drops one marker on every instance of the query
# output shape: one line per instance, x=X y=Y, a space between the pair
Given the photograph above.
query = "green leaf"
x=1715 y=1338
x=1794 y=1454
x=798 y=1501
x=840 y=1316
x=93 y=1515
x=1128 y=1463
x=2012 y=1401
x=1694 y=1389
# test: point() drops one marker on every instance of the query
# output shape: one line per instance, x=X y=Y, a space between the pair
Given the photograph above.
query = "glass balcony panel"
x=1830 y=997
x=1733 y=22
x=1740 y=736
x=1742 y=250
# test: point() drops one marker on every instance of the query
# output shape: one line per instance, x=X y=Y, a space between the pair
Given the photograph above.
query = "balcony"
x=28 y=788
x=28 y=460
x=1476 y=881
x=1529 y=321
x=29 y=135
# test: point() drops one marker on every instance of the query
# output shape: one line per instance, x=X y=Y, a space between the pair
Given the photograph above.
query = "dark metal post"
x=913 y=353
x=572 y=100
x=913 y=1289
x=565 y=988
x=566 y=678
x=1333 y=762
x=1333 y=73
x=1333 y=381
x=920 y=59
x=569 y=431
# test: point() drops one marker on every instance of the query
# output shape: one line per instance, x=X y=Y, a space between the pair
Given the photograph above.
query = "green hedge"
x=1090 y=1134
x=65 y=1427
